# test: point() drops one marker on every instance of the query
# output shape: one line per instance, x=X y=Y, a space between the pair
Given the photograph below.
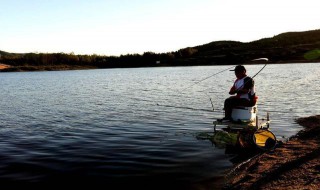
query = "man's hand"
x=232 y=91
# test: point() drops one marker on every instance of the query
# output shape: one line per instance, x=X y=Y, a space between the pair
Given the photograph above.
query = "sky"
x=119 y=27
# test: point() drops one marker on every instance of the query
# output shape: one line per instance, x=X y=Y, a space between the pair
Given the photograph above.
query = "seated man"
x=244 y=91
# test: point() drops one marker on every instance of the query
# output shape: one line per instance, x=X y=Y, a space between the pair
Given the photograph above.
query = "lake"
x=136 y=126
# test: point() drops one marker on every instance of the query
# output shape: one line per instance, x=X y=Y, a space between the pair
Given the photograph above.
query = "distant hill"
x=285 y=47
x=290 y=47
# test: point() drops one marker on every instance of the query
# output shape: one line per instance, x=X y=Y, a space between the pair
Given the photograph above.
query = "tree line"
x=147 y=59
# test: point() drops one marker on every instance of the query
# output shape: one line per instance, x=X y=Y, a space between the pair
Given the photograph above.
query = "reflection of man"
x=244 y=91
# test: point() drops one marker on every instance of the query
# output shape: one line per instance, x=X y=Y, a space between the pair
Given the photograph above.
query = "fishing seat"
x=244 y=113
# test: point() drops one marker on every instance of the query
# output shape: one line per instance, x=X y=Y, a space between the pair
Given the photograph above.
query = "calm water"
x=135 y=126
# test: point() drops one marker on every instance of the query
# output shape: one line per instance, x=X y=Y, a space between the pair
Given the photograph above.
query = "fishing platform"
x=245 y=130
x=244 y=118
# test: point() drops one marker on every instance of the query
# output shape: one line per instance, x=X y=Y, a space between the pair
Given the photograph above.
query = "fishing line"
x=181 y=91
x=210 y=100
x=182 y=107
x=207 y=78
x=259 y=59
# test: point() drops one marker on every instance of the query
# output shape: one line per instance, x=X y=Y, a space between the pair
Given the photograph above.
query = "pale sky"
x=115 y=27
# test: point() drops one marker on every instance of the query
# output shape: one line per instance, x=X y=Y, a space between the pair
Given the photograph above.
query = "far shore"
x=65 y=67
x=292 y=165
x=8 y=68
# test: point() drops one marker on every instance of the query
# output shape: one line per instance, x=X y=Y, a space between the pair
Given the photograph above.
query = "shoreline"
x=294 y=164
x=9 y=68
x=66 y=67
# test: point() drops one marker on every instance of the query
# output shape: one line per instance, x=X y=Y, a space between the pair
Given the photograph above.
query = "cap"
x=239 y=68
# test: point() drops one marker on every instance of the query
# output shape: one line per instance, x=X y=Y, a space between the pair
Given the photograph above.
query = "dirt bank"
x=3 y=66
x=292 y=165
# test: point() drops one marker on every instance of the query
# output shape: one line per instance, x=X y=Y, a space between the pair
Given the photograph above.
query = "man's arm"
x=232 y=90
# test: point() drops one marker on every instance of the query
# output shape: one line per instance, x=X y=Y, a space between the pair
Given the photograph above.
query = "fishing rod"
x=204 y=92
x=207 y=78
x=204 y=80
x=265 y=59
x=258 y=59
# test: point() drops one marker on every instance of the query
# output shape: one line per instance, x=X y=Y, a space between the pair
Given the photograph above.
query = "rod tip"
x=261 y=59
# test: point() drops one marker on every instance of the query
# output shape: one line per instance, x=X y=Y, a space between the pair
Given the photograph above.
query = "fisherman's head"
x=240 y=71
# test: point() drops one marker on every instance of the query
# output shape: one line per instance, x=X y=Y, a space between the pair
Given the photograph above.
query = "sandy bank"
x=292 y=165
x=4 y=66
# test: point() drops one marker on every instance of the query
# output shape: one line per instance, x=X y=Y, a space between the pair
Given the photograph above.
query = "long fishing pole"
x=265 y=59
x=198 y=83
x=206 y=78
x=259 y=71
x=259 y=59
x=212 y=76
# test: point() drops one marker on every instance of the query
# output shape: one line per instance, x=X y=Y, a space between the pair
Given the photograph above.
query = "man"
x=243 y=90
